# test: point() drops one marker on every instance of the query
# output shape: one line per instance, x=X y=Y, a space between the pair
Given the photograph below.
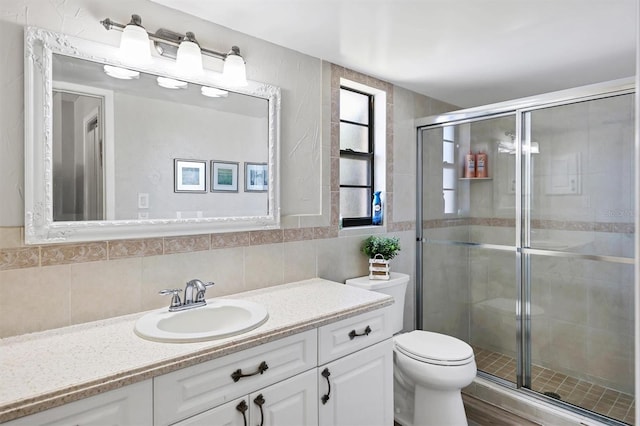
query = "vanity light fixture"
x=185 y=49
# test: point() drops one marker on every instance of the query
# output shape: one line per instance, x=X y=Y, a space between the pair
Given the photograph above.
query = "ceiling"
x=465 y=52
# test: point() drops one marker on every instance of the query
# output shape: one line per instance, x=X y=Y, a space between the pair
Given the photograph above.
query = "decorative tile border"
x=229 y=240
x=31 y=257
x=187 y=243
x=16 y=258
x=73 y=253
x=120 y=249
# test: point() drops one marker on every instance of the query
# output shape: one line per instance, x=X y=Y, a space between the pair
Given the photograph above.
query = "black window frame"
x=370 y=156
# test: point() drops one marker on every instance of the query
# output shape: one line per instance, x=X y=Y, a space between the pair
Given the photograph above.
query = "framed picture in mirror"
x=256 y=177
x=224 y=176
x=190 y=176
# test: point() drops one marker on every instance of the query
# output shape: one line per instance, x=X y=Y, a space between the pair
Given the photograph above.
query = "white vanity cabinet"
x=339 y=374
x=355 y=375
x=183 y=393
x=129 y=405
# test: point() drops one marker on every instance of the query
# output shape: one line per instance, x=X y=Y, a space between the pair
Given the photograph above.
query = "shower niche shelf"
x=472 y=179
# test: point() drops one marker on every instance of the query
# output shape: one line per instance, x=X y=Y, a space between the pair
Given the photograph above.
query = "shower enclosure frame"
x=519 y=109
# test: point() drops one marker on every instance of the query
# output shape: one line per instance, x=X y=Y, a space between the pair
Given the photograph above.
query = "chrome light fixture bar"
x=185 y=49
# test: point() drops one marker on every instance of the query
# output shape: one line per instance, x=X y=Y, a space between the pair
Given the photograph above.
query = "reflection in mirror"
x=153 y=123
x=102 y=145
x=78 y=167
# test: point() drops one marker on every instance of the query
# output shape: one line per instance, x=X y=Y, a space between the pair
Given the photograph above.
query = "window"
x=356 y=156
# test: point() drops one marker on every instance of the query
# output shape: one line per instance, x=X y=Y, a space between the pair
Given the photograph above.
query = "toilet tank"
x=395 y=286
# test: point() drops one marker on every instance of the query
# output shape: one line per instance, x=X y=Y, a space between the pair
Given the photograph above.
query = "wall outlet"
x=143 y=200
x=143 y=215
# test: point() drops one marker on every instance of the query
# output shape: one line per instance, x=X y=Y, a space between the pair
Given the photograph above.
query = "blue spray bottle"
x=377 y=209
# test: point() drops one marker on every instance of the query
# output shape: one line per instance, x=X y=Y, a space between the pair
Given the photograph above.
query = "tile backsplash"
x=68 y=284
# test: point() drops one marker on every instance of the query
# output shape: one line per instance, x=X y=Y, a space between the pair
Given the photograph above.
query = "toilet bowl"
x=429 y=368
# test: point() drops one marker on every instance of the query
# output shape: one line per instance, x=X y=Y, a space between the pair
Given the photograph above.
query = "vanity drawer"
x=192 y=390
x=352 y=334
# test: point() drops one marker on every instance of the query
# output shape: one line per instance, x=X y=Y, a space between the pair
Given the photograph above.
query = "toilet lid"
x=434 y=348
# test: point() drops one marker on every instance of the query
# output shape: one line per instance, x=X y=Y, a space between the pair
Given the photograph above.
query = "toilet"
x=429 y=368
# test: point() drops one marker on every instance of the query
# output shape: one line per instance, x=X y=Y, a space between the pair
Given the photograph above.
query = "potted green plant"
x=380 y=251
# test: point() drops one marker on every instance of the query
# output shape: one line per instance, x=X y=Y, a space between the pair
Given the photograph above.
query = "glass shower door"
x=469 y=231
x=533 y=265
x=578 y=252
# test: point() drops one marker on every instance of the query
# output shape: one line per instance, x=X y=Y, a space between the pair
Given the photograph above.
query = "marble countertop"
x=47 y=369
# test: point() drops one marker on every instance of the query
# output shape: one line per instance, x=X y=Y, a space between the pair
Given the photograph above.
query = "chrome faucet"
x=193 y=295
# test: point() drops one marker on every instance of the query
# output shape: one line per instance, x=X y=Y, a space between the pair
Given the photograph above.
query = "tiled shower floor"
x=609 y=402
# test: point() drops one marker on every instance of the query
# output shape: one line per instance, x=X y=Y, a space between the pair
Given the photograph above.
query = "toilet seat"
x=434 y=348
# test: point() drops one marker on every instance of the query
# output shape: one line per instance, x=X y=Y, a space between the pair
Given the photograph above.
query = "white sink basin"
x=219 y=318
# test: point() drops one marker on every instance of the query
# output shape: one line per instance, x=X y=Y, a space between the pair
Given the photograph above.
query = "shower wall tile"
x=568 y=346
x=610 y=359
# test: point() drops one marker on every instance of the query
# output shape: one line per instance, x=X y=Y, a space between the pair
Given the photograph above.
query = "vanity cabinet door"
x=184 y=393
x=357 y=390
x=292 y=402
x=234 y=413
x=129 y=405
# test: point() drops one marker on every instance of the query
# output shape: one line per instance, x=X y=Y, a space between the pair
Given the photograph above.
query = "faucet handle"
x=200 y=294
x=175 y=297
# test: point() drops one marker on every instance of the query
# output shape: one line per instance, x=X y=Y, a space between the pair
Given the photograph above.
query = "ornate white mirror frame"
x=40 y=45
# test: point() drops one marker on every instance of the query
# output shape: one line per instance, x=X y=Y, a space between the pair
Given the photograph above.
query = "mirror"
x=110 y=158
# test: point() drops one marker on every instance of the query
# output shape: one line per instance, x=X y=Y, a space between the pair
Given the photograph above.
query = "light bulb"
x=134 y=43
x=189 y=57
x=234 y=73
